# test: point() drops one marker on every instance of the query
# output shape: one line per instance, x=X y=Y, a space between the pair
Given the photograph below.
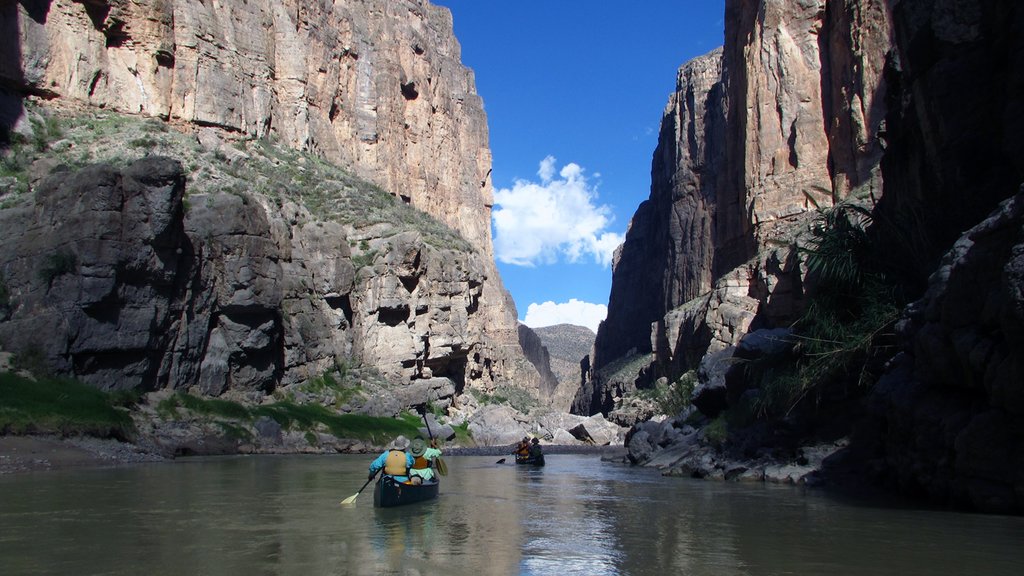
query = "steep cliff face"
x=947 y=418
x=111 y=279
x=781 y=121
x=374 y=87
x=675 y=225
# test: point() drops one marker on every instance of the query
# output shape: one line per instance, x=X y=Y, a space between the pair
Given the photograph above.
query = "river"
x=281 y=515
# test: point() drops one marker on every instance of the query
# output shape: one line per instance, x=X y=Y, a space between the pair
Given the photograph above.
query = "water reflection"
x=577 y=515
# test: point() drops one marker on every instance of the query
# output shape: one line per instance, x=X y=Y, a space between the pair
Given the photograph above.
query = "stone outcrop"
x=952 y=406
x=818 y=109
x=112 y=280
x=569 y=348
x=783 y=120
x=374 y=87
x=947 y=416
x=538 y=355
x=956 y=121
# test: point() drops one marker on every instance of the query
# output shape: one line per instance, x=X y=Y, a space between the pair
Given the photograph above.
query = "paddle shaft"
x=442 y=469
x=352 y=498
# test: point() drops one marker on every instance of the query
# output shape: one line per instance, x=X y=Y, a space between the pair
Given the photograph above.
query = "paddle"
x=502 y=461
x=442 y=468
x=351 y=499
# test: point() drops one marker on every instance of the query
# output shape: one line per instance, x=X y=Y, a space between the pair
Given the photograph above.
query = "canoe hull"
x=387 y=493
x=538 y=461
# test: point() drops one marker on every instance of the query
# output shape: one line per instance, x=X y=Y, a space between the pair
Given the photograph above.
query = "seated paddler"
x=395 y=461
x=423 y=460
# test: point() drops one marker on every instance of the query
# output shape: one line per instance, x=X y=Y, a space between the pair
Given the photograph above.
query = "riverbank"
x=22 y=454
x=19 y=454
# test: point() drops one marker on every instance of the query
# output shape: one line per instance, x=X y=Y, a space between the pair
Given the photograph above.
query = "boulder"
x=497 y=425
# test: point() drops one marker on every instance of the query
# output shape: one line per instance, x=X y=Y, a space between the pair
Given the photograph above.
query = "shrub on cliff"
x=849 y=319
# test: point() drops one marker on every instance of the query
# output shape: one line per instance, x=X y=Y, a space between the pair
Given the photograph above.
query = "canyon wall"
x=784 y=119
x=910 y=108
x=947 y=419
x=374 y=87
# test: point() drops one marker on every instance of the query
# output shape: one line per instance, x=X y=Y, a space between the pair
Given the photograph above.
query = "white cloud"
x=543 y=222
x=574 y=312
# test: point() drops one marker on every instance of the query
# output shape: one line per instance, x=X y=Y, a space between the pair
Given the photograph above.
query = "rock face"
x=569 y=348
x=952 y=406
x=111 y=280
x=948 y=415
x=375 y=87
x=818 y=101
x=757 y=135
x=538 y=355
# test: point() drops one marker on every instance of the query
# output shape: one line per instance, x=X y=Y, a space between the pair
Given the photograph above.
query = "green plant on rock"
x=45 y=131
x=717 y=431
x=674 y=397
x=849 y=319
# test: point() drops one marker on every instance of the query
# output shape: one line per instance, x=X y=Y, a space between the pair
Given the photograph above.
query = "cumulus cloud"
x=574 y=312
x=554 y=219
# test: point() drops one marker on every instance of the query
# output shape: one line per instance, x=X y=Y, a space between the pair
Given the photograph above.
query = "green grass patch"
x=676 y=396
x=59 y=406
x=291 y=416
x=717 y=431
x=462 y=434
x=338 y=383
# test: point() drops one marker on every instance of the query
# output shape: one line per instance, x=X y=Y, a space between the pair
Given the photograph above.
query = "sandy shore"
x=19 y=454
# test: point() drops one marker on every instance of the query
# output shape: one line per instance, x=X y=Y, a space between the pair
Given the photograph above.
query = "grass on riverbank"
x=69 y=408
x=60 y=406
x=292 y=416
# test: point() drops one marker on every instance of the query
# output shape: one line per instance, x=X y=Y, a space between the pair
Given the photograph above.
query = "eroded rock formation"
x=255 y=292
x=112 y=280
x=821 y=100
x=783 y=120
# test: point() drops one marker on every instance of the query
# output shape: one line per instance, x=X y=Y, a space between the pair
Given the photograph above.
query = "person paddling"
x=522 y=450
x=423 y=460
x=395 y=461
x=535 y=451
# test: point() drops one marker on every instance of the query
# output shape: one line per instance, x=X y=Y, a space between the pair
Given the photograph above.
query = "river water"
x=282 y=515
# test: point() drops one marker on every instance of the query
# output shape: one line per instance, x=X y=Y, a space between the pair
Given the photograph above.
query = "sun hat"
x=400 y=443
x=418 y=447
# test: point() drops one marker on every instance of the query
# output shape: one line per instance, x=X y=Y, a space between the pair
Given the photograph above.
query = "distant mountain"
x=567 y=344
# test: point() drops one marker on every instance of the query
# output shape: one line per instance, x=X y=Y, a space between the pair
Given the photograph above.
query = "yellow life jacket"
x=419 y=463
x=394 y=464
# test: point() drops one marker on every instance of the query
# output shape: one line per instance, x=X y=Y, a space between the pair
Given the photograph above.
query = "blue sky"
x=574 y=91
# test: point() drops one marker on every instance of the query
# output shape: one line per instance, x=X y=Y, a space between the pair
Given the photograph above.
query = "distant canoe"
x=388 y=493
x=531 y=461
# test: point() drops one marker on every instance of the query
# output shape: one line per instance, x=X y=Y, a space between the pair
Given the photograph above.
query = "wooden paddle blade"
x=442 y=468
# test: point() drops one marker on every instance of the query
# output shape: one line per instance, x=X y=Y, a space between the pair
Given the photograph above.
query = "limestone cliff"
x=757 y=135
x=376 y=88
x=913 y=108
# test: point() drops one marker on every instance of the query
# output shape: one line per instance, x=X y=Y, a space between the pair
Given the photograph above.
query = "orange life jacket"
x=419 y=463
x=394 y=464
